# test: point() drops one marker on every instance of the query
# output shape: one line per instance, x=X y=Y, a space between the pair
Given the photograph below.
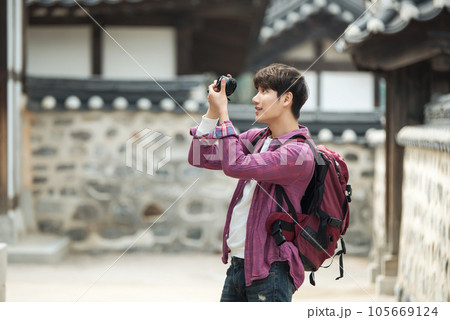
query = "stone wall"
x=3 y=265
x=424 y=258
x=82 y=188
x=422 y=273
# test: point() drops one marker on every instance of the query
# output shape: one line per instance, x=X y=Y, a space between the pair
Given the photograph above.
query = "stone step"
x=38 y=248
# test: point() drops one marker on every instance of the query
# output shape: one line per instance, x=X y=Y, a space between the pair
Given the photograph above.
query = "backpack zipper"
x=336 y=166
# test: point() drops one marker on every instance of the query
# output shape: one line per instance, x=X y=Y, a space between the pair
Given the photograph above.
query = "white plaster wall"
x=347 y=91
x=62 y=51
x=153 y=48
x=311 y=80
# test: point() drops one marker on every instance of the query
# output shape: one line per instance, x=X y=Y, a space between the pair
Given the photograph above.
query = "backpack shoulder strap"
x=258 y=137
x=310 y=143
x=279 y=190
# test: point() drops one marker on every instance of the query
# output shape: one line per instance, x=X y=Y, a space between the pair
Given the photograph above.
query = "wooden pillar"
x=376 y=91
x=395 y=120
x=408 y=90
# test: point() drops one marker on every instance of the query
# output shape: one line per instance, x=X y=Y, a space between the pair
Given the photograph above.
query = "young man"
x=260 y=270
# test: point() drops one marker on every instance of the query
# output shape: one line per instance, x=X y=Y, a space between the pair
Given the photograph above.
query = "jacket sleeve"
x=206 y=151
x=292 y=161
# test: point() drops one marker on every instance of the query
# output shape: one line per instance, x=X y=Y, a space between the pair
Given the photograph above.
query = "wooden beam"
x=316 y=27
x=419 y=41
x=220 y=50
x=154 y=13
x=390 y=56
x=252 y=43
x=149 y=19
x=230 y=9
x=320 y=65
x=96 y=49
x=3 y=111
x=440 y=79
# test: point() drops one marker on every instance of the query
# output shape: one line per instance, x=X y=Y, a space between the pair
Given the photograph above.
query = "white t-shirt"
x=238 y=223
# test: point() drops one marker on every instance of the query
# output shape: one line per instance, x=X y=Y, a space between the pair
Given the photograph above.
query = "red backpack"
x=325 y=211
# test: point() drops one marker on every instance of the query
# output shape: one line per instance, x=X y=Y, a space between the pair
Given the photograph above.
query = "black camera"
x=230 y=86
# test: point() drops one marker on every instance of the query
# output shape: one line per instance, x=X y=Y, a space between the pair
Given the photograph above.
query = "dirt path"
x=164 y=277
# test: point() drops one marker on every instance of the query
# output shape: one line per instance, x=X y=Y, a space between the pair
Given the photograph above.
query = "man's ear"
x=288 y=98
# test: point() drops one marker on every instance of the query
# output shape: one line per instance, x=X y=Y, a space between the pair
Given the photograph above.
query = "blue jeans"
x=277 y=287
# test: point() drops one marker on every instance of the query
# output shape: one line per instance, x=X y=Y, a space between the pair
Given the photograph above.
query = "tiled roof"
x=284 y=14
x=46 y=94
x=391 y=18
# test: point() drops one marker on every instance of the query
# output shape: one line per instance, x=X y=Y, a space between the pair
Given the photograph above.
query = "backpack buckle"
x=334 y=222
x=348 y=193
x=277 y=233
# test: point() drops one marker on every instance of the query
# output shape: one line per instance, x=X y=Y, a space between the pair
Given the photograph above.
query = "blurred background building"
x=408 y=43
x=78 y=81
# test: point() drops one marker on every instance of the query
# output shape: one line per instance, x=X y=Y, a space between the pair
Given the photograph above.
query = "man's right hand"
x=213 y=110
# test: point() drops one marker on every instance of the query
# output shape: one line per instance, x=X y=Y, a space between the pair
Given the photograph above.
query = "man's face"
x=267 y=106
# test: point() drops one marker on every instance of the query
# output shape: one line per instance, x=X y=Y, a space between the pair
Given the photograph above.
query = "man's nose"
x=255 y=99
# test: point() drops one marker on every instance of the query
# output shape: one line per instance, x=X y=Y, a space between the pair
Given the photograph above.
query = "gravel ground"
x=187 y=277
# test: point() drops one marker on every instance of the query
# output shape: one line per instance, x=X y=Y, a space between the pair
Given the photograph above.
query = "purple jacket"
x=290 y=166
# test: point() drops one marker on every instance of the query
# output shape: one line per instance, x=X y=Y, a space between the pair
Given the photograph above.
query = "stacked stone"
x=424 y=271
x=82 y=187
x=424 y=257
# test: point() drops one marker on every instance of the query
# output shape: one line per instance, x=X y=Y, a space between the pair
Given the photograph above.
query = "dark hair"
x=283 y=78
